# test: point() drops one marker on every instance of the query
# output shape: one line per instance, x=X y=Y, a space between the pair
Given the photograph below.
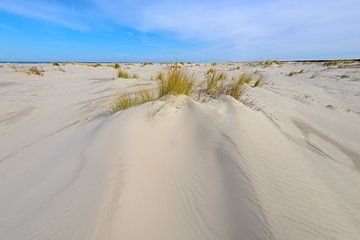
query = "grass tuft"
x=234 y=89
x=295 y=72
x=147 y=63
x=56 y=64
x=35 y=71
x=243 y=78
x=117 y=66
x=214 y=78
x=176 y=82
x=258 y=82
x=147 y=96
x=125 y=74
x=123 y=102
x=95 y=65
x=210 y=71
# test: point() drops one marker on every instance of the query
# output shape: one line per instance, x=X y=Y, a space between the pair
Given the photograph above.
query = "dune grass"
x=210 y=71
x=214 y=78
x=176 y=82
x=126 y=101
x=235 y=88
x=146 y=95
x=337 y=62
x=35 y=71
x=295 y=72
x=117 y=66
x=56 y=64
x=123 y=102
x=147 y=63
x=125 y=74
x=243 y=78
x=258 y=82
x=95 y=65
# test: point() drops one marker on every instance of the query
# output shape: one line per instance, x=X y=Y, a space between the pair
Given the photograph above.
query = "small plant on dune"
x=176 y=82
x=95 y=65
x=126 y=101
x=147 y=96
x=337 y=62
x=147 y=63
x=258 y=82
x=235 y=88
x=123 y=102
x=35 y=71
x=125 y=74
x=243 y=78
x=210 y=71
x=56 y=64
x=214 y=78
x=295 y=72
x=117 y=66
x=134 y=76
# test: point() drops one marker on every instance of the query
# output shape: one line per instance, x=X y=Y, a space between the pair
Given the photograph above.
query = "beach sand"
x=286 y=166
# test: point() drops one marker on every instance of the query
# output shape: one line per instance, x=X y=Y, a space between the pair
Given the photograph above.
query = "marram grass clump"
x=125 y=74
x=176 y=82
x=214 y=78
x=258 y=82
x=296 y=72
x=126 y=101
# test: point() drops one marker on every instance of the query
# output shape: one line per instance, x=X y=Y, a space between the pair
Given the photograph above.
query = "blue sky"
x=188 y=30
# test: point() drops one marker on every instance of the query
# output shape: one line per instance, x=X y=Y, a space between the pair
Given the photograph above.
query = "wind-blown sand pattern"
x=286 y=168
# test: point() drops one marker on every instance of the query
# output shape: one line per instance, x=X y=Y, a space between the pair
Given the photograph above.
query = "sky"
x=178 y=30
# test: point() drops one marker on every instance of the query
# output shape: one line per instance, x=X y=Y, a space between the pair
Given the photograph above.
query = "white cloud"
x=241 y=27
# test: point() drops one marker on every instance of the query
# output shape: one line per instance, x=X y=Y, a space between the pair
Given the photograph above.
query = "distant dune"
x=281 y=163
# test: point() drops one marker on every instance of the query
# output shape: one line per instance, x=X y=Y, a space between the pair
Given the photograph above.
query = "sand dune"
x=177 y=168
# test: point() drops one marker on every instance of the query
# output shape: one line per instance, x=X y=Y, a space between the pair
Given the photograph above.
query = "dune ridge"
x=176 y=168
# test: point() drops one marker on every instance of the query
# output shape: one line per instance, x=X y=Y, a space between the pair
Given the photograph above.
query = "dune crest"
x=176 y=168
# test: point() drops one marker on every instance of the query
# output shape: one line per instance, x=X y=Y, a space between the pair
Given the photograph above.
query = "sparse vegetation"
x=126 y=101
x=147 y=96
x=147 y=63
x=123 y=102
x=56 y=64
x=125 y=74
x=337 y=62
x=210 y=71
x=214 y=78
x=35 y=71
x=235 y=88
x=258 y=82
x=295 y=72
x=176 y=82
x=117 y=66
x=243 y=78
x=95 y=65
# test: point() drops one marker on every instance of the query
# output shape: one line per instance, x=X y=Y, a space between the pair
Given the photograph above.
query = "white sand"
x=177 y=168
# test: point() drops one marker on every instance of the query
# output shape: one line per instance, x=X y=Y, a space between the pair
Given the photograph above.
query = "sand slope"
x=176 y=168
